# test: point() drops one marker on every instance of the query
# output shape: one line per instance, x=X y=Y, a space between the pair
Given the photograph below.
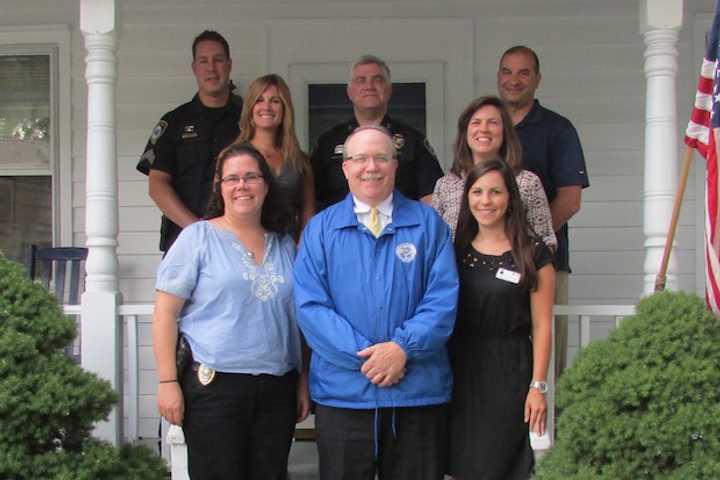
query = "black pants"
x=404 y=443
x=239 y=426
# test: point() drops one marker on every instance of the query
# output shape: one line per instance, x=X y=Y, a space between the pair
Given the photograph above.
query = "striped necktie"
x=374 y=223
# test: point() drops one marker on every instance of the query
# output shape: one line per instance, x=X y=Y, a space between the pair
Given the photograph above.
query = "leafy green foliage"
x=645 y=403
x=48 y=404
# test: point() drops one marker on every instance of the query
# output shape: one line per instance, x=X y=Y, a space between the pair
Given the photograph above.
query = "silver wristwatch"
x=540 y=386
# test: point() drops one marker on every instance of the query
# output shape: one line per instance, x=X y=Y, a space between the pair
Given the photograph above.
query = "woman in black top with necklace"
x=501 y=346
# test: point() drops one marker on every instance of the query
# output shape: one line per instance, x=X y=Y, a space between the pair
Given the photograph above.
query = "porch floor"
x=303 y=461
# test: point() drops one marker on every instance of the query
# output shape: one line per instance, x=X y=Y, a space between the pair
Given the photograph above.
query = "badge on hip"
x=205 y=374
x=508 y=275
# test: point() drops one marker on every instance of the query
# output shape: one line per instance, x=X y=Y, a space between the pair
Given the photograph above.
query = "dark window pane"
x=26 y=214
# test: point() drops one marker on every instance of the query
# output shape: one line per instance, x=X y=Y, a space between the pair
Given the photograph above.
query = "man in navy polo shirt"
x=551 y=150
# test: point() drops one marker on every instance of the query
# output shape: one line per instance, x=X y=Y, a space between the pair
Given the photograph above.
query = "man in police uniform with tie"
x=369 y=90
x=179 y=158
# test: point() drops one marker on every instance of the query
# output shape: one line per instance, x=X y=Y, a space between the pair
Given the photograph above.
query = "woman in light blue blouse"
x=226 y=285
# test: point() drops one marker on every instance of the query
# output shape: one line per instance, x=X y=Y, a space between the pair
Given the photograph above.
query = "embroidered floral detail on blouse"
x=263 y=277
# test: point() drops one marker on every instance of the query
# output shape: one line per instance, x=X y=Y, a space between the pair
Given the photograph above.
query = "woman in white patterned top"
x=485 y=131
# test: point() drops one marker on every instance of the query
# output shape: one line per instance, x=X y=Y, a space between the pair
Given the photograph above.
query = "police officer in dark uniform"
x=369 y=91
x=179 y=157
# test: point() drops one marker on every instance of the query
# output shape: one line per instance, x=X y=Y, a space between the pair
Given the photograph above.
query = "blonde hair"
x=285 y=139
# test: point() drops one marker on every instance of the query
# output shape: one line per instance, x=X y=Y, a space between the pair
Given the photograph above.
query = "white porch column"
x=101 y=332
x=660 y=21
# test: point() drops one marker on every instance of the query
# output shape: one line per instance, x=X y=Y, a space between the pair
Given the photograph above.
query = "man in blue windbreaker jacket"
x=376 y=292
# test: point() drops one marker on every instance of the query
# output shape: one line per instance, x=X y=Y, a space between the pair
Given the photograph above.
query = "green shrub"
x=645 y=403
x=48 y=404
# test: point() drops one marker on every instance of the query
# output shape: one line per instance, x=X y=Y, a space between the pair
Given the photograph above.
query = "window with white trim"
x=25 y=152
x=30 y=139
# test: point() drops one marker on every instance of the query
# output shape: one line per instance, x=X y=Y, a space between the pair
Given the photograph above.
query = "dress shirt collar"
x=385 y=207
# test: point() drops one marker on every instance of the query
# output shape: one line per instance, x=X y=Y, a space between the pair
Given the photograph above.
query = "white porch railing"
x=130 y=313
x=176 y=455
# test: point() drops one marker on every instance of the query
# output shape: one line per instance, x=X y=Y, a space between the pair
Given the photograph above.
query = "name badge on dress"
x=508 y=275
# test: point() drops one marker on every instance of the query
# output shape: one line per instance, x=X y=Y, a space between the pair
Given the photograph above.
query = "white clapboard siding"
x=131 y=219
x=138 y=252
x=617 y=238
x=623 y=214
x=125 y=165
x=624 y=262
x=592 y=63
x=132 y=193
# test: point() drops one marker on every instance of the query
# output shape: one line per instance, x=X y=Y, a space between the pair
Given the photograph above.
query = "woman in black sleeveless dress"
x=502 y=341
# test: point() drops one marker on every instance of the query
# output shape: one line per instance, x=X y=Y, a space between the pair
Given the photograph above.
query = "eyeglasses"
x=363 y=159
x=249 y=179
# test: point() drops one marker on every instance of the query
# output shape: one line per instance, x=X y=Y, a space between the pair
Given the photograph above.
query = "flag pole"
x=660 y=279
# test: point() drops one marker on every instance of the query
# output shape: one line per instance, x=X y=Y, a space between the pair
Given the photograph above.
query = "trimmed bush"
x=48 y=404
x=645 y=403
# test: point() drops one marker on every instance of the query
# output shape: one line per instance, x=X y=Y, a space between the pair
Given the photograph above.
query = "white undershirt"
x=385 y=208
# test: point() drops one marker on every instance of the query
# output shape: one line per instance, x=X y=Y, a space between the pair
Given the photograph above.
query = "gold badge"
x=398 y=141
x=205 y=374
x=189 y=132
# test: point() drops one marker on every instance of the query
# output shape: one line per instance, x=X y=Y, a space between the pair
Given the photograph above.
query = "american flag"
x=701 y=135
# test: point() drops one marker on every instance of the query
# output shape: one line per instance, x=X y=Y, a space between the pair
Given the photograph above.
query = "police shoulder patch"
x=158 y=131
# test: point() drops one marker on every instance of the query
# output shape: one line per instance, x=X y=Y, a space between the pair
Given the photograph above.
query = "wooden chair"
x=50 y=267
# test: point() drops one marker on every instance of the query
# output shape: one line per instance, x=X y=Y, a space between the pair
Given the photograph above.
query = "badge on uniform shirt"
x=398 y=141
x=339 y=149
x=189 y=132
x=158 y=131
x=508 y=276
x=205 y=374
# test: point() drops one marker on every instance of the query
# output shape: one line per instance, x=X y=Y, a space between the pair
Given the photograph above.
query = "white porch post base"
x=178 y=453
x=101 y=352
x=660 y=22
